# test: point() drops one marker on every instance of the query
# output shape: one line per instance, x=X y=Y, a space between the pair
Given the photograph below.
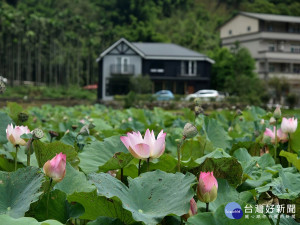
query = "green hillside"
x=57 y=41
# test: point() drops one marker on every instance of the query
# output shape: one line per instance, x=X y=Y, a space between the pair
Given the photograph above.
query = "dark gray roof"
x=165 y=49
x=272 y=17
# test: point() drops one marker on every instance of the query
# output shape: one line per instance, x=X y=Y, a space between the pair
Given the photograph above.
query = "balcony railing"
x=122 y=69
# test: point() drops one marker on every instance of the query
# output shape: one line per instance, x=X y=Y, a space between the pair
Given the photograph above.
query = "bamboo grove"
x=58 y=50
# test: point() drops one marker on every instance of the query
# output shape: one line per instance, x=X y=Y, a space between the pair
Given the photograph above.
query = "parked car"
x=206 y=95
x=3 y=79
x=164 y=95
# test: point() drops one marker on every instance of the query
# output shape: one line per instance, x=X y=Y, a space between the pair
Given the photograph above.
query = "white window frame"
x=122 y=64
x=192 y=68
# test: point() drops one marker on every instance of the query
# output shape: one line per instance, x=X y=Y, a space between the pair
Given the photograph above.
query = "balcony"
x=124 y=69
x=280 y=55
x=262 y=35
x=290 y=77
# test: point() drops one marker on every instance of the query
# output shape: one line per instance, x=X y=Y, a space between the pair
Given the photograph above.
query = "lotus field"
x=95 y=165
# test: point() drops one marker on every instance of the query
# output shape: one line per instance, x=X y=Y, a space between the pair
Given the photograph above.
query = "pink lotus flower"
x=193 y=209
x=289 y=125
x=14 y=134
x=207 y=189
x=149 y=147
x=56 y=167
x=281 y=136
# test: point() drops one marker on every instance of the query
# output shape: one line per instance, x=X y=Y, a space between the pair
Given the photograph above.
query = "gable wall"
x=238 y=25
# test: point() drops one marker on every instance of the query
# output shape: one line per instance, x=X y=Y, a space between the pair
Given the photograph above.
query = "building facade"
x=170 y=67
x=273 y=41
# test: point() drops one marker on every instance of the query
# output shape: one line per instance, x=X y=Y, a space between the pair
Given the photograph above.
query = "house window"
x=269 y=27
x=157 y=67
x=248 y=28
x=271 y=47
x=122 y=65
x=295 y=48
x=296 y=68
x=189 y=68
x=271 y=67
x=230 y=32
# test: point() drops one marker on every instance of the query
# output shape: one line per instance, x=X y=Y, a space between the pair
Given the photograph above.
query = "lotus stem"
x=48 y=196
x=275 y=147
x=148 y=162
x=278 y=219
x=179 y=152
x=29 y=147
x=207 y=206
x=139 y=170
x=16 y=159
x=121 y=174
x=289 y=149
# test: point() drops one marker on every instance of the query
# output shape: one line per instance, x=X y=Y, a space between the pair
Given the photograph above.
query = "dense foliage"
x=233 y=73
x=230 y=144
x=57 y=41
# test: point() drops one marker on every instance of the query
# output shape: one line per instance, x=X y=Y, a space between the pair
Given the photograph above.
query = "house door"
x=191 y=89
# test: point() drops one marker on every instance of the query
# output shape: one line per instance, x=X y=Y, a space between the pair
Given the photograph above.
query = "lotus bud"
x=37 y=133
x=2 y=87
x=56 y=167
x=238 y=112
x=262 y=121
x=197 y=101
x=289 y=125
x=22 y=117
x=277 y=113
x=193 y=209
x=198 y=110
x=13 y=134
x=189 y=131
x=207 y=189
x=272 y=120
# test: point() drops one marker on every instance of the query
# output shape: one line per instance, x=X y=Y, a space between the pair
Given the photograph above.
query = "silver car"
x=206 y=95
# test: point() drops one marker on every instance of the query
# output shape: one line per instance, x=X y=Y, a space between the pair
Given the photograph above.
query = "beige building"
x=273 y=41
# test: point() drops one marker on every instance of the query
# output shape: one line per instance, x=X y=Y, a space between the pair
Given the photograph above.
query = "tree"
x=141 y=84
x=233 y=73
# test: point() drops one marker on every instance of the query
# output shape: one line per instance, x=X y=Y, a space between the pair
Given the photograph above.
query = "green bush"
x=141 y=84
x=292 y=100
x=44 y=92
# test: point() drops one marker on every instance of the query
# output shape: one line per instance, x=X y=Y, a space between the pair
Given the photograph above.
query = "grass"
x=43 y=92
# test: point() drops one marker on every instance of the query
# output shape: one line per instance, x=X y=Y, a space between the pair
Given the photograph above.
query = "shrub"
x=141 y=84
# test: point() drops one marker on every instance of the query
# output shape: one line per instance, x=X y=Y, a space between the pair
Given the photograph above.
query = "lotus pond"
x=114 y=175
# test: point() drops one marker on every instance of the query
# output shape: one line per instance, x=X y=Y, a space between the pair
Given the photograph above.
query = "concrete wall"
x=239 y=25
x=253 y=46
x=109 y=60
